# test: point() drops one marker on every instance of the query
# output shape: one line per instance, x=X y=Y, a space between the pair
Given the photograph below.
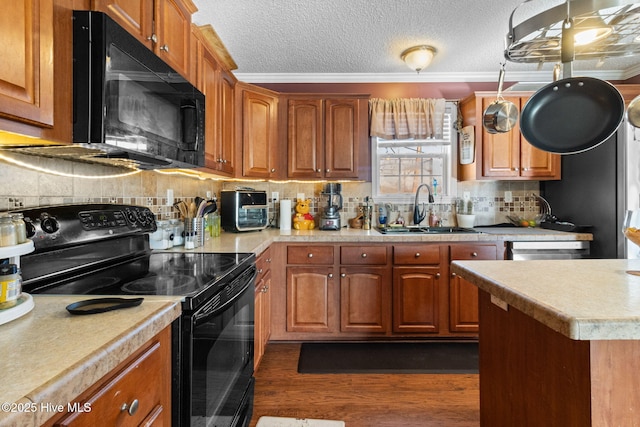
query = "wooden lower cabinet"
x=377 y=291
x=416 y=299
x=364 y=299
x=463 y=296
x=312 y=299
x=262 y=322
x=138 y=393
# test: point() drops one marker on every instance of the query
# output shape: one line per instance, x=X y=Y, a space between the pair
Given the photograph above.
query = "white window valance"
x=404 y=118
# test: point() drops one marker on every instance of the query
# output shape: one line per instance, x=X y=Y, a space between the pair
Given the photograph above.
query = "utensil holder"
x=193 y=232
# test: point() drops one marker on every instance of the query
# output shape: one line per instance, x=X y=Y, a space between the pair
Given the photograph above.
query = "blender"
x=332 y=199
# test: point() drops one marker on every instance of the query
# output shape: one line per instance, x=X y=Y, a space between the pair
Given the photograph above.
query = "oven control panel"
x=55 y=226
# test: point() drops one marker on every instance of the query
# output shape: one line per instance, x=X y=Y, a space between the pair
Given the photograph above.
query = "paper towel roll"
x=285 y=214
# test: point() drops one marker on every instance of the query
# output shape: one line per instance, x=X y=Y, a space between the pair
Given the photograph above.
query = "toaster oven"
x=243 y=210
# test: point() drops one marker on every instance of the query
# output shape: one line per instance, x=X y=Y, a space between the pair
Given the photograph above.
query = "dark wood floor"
x=363 y=400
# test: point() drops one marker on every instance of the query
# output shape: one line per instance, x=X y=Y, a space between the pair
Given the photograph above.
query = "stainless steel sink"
x=425 y=230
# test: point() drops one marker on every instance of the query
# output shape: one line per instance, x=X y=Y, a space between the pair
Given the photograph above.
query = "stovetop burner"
x=177 y=284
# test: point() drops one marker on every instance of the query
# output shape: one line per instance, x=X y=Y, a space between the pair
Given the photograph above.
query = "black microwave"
x=130 y=101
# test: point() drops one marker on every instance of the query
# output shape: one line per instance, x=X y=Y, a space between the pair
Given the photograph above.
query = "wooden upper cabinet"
x=327 y=137
x=342 y=138
x=304 y=133
x=164 y=26
x=507 y=155
x=136 y=16
x=173 y=29
x=259 y=128
x=26 y=73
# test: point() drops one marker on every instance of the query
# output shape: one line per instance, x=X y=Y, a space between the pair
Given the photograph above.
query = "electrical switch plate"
x=508 y=197
x=275 y=196
x=208 y=195
x=169 y=197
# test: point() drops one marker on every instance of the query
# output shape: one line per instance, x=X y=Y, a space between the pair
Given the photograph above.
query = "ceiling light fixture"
x=418 y=57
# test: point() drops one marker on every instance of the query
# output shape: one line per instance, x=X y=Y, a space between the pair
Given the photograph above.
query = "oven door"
x=218 y=357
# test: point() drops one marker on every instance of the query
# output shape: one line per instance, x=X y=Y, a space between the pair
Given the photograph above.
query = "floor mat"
x=389 y=357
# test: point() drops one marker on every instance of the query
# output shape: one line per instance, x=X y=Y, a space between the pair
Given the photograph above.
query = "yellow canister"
x=10 y=286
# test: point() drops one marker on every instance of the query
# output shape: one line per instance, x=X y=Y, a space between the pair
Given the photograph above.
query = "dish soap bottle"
x=433 y=219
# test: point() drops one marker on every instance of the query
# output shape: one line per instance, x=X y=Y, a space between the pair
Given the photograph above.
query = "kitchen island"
x=559 y=342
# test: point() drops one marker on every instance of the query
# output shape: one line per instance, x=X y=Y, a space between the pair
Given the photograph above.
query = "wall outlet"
x=275 y=196
x=169 y=197
x=508 y=198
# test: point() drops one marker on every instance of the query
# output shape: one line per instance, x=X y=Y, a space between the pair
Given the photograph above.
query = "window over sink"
x=400 y=165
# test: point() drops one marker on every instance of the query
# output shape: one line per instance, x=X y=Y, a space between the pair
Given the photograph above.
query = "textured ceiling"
x=361 y=40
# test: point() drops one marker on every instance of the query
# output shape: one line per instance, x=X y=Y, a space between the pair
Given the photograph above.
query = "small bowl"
x=528 y=221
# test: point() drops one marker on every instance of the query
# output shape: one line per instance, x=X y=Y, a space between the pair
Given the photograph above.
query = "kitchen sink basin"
x=425 y=230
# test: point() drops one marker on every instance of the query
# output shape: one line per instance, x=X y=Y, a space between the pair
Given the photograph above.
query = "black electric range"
x=101 y=249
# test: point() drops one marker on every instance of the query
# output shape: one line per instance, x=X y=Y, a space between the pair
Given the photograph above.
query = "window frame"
x=449 y=166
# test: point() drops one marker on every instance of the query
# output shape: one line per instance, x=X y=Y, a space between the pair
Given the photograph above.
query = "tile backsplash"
x=24 y=188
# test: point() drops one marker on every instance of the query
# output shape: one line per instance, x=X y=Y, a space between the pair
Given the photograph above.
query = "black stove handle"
x=211 y=309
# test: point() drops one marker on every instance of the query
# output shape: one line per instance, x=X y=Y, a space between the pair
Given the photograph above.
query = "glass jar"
x=21 y=227
x=160 y=239
x=8 y=235
x=10 y=286
x=178 y=232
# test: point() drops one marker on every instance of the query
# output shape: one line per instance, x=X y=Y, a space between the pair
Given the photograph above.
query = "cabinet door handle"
x=273 y=170
x=474 y=254
x=417 y=255
x=343 y=275
x=327 y=170
x=164 y=48
x=310 y=255
x=318 y=170
x=330 y=275
x=131 y=408
x=363 y=255
x=437 y=275
x=268 y=260
x=153 y=38
x=453 y=274
x=260 y=271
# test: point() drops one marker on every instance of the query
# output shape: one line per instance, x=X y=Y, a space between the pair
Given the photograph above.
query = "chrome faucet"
x=417 y=215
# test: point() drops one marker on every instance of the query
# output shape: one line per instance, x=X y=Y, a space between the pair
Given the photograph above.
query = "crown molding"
x=425 y=77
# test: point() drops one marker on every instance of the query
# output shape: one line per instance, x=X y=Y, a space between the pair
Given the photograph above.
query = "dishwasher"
x=556 y=249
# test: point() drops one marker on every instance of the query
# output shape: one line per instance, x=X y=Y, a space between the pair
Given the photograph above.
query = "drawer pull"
x=437 y=275
x=309 y=255
x=417 y=255
x=131 y=409
x=330 y=275
x=343 y=275
x=453 y=274
x=474 y=254
x=363 y=255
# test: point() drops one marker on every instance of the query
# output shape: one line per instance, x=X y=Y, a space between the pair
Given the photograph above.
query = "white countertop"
x=49 y=356
x=582 y=299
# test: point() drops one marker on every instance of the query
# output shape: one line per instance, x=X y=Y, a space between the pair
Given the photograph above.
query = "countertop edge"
x=77 y=378
x=576 y=327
